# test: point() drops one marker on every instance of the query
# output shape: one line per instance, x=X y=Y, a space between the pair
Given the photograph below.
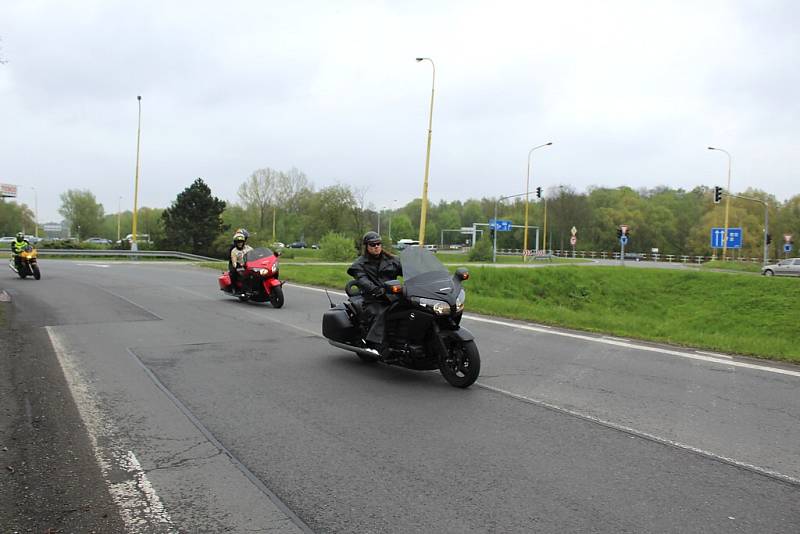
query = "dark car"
x=298 y=244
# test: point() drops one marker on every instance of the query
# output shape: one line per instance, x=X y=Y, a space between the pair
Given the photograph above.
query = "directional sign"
x=500 y=225
x=574 y=230
x=787 y=247
x=573 y=240
x=623 y=240
x=734 y=238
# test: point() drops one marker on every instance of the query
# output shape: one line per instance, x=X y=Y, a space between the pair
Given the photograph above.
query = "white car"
x=787 y=267
x=98 y=241
x=7 y=239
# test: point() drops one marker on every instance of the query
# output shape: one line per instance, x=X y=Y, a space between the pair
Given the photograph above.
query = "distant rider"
x=237 y=255
x=374 y=267
x=17 y=246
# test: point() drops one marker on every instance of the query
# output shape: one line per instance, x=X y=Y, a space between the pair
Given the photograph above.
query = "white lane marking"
x=140 y=507
x=103 y=265
x=4 y=297
x=706 y=357
x=642 y=434
x=714 y=354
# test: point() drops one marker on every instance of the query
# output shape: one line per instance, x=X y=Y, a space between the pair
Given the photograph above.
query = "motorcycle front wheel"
x=36 y=272
x=276 y=296
x=462 y=365
x=23 y=271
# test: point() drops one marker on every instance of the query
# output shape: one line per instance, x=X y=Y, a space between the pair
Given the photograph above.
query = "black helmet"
x=21 y=236
x=371 y=236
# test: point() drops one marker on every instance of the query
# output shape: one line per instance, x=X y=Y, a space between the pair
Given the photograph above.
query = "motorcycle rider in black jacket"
x=374 y=267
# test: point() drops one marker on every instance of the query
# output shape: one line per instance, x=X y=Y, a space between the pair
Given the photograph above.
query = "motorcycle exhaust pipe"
x=352 y=348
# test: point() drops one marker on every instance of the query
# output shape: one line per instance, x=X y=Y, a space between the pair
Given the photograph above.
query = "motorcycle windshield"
x=425 y=276
x=258 y=254
x=419 y=260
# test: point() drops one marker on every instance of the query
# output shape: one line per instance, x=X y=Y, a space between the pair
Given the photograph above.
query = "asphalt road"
x=209 y=415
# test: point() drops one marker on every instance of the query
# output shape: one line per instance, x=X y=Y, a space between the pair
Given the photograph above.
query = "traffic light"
x=769 y=239
x=538 y=192
x=619 y=233
x=717 y=194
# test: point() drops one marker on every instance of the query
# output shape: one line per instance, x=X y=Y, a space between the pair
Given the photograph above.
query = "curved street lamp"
x=424 y=210
x=527 y=193
x=727 y=203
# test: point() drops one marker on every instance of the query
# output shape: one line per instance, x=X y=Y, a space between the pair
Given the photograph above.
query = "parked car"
x=277 y=245
x=298 y=244
x=98 y=241
x=315 y=246
x=787 y=267
x=7 y=239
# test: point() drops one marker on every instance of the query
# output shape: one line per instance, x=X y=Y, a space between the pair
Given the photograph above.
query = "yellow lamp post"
x=727 y=203
x=424 y=210
x=134 y=245
x=119 y=213
x=527 y=194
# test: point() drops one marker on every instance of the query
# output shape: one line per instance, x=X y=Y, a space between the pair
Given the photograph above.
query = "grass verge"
x=737 y=266
x=753 y=316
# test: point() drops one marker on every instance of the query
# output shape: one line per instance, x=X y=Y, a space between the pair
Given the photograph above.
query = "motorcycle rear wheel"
x=276 y=296
x=462 y=365
x=36 y=272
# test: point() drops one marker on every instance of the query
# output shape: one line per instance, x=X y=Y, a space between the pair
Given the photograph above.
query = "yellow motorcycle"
x=25 y=264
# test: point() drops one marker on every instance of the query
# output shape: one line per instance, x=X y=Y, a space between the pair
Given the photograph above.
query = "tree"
x=15 y=218
x=194 y=220
x=84 y=213
x=258 y=193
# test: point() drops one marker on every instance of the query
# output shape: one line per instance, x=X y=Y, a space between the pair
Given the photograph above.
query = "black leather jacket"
x=371 y=273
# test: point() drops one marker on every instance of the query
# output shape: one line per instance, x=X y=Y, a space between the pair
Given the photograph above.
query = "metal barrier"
x=125 y=253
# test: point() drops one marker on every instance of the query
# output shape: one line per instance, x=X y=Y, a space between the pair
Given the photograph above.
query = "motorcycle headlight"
x=439 y=307
x=263 y=272
x=460 y=301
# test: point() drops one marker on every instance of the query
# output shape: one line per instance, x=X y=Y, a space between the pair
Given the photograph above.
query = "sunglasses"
x=374 y=244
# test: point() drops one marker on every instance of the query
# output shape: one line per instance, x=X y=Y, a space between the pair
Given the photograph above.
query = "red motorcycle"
x=257 y=280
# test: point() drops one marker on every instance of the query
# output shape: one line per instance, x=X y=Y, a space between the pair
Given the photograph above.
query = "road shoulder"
x=50 y=480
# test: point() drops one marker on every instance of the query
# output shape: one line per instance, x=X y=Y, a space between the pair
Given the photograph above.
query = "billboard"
x=8 y=191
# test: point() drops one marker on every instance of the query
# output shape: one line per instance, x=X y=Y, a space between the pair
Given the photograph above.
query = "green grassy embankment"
x=737 y=266
x=747 y=315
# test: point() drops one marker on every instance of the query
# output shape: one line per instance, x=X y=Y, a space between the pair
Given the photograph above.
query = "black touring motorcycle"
x=422 y=322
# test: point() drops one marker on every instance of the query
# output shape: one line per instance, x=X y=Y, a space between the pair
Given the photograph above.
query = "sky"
x=630 y=93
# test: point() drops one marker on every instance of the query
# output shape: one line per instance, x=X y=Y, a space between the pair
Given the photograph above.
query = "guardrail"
x=669 y=258
x=124 y=253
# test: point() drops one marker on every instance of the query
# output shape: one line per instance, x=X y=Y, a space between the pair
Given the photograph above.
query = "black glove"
x=377 y=291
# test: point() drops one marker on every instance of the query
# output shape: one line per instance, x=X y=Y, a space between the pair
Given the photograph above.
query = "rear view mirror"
x=462 y=273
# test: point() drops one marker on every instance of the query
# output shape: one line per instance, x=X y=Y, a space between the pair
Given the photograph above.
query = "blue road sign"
x=623 y=240
x=787 y=247
x=734 y=237
x=500 y=225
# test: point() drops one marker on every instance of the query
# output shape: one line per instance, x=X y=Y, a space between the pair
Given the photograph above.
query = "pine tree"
x=194 y=220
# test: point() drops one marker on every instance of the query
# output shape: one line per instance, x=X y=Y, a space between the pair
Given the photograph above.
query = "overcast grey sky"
x=630 y=93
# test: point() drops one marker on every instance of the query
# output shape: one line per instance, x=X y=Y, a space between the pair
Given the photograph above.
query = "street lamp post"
x=35 y=212
x=424 y=210
x=494 y=243
x=727 y=203
x=527 y=193
x=119 y=212
x=134 y=244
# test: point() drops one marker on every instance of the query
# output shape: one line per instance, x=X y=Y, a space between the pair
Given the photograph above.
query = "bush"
x=337 y=247
x=482 y=251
